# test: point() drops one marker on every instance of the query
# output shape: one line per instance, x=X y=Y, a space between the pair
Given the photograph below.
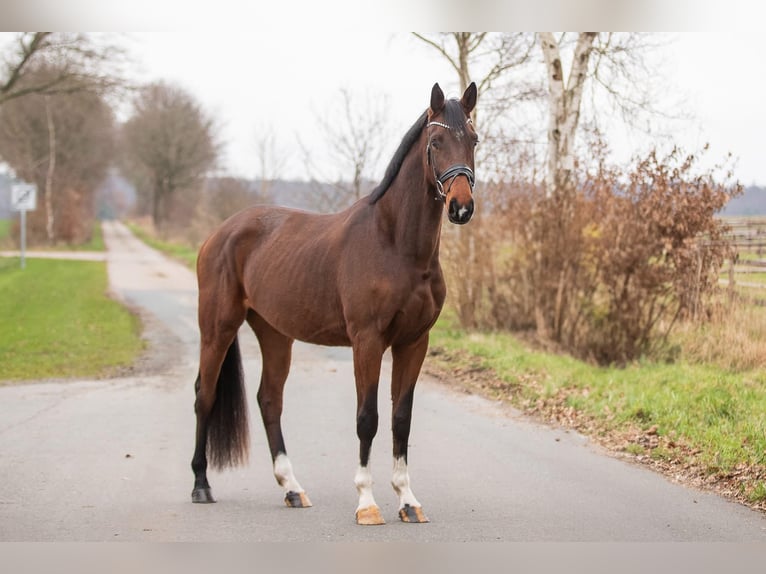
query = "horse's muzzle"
x=460 y=213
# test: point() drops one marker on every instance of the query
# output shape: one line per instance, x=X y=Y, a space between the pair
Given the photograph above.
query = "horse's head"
x=450 y=149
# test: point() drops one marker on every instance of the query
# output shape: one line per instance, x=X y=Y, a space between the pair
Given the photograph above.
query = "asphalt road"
x=103 y=460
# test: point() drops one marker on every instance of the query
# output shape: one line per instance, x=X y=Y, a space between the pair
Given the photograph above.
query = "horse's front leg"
x=406 y=368
x=368 y=355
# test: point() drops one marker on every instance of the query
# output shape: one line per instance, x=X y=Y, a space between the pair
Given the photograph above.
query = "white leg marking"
x=363 y=482
x=401 y=483
x=283 y=472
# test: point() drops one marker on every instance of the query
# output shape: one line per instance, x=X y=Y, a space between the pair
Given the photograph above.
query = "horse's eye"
x=435 y=144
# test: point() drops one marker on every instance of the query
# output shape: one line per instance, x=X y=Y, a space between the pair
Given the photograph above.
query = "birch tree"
x=564 y=101
x=612 y=67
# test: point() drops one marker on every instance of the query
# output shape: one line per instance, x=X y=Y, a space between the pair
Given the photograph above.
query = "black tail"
x=228 y=439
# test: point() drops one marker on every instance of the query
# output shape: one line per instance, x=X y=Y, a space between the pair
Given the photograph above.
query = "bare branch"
x=81 y=63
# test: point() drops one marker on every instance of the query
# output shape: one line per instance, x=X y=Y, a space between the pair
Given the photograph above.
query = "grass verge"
x=59 y=322
x=701 y=424
x=183 y=253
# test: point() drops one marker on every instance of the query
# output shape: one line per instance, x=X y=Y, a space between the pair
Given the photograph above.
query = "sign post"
x=23 y=199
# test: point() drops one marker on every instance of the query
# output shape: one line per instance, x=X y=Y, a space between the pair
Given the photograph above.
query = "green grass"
x=719 y=412
x=183 y=253
x=750 y=256
x=756 y=277
x=5 y=229
x=57 y=321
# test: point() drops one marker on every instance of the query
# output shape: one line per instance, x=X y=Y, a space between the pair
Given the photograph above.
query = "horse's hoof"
x=202 y=495
x=412 y=514
x=369 y=516
x=297 y=500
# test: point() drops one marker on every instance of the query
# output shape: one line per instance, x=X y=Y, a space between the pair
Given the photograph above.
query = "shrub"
x=605 y=268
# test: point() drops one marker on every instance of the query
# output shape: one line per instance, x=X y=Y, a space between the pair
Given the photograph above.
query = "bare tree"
x=80 y=63
x=63 y=144
x=270 y=159
x=169 y=145
x=489 y=59
x=355 y=134
x=502 y=65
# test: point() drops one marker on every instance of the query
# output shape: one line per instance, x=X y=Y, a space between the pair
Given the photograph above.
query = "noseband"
x=451 y=172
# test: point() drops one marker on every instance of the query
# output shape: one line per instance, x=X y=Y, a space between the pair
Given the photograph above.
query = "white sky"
x=279 y=80
x=282 y=79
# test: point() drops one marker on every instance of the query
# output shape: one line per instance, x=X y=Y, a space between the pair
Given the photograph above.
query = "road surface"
x=104 y=460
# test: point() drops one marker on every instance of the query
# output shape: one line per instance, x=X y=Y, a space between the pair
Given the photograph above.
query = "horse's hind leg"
x=276 y=352
x=406 y=368
x=220 y=404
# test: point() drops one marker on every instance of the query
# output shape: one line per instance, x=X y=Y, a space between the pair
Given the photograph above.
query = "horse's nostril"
x=460 y=213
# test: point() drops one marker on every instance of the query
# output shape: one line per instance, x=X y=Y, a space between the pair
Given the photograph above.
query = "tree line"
x=58 y=130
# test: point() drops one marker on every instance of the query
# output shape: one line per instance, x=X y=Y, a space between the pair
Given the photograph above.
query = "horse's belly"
x=304 y=319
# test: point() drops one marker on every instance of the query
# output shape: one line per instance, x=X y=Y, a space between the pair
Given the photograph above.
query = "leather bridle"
x=451 y=173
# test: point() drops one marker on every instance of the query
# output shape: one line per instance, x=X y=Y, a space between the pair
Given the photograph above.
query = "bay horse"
x=368 y=277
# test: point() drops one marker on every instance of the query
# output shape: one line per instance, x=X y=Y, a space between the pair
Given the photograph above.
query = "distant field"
x=749 y=237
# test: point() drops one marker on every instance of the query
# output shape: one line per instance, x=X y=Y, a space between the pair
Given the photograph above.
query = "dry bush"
x=605 y=269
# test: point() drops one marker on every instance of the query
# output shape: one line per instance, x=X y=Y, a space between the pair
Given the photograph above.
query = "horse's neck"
x=410 y=215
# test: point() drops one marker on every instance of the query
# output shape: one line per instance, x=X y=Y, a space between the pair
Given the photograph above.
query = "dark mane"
x=454 y=117
x=409 y=139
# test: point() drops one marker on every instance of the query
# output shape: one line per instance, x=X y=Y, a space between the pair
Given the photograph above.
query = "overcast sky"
x=280 y=80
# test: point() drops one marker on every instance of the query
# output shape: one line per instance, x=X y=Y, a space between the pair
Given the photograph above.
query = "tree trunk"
x=564 y=99
x=564 y=107
x=50 y=217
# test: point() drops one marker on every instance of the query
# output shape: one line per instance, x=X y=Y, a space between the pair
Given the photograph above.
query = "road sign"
x=23 y=197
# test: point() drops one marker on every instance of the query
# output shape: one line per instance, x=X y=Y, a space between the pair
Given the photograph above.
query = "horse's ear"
x=468 y=101
x=437 y=99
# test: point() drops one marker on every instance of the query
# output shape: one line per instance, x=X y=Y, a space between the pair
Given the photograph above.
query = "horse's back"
x=282 y=264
